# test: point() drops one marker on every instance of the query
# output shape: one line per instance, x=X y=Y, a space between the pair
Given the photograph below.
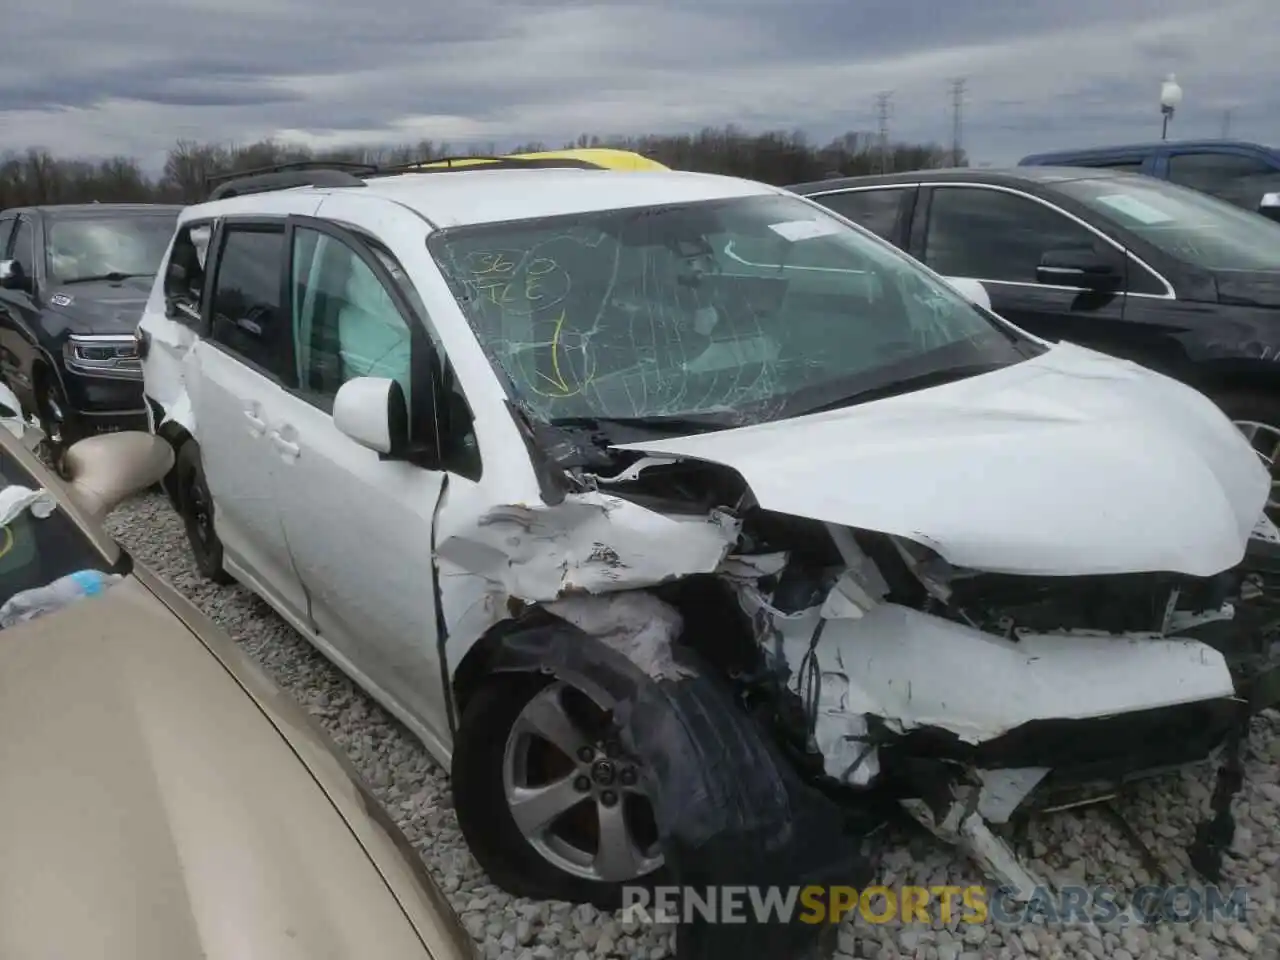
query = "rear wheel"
x=1257 y=415
x=195 y=506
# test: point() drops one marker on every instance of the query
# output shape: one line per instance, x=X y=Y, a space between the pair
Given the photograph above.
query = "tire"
x=57 y=421
x=494 y=724
x=195 y=506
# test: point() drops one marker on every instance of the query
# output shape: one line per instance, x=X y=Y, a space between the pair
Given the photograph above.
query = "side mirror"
x=1269 y=206
x=13 y=277
x=1077 y=268
x=971 y=290
x=372 y=411
x=104 y=470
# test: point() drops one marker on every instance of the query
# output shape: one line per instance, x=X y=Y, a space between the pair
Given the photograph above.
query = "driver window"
x=996 y=236
x=345 y=324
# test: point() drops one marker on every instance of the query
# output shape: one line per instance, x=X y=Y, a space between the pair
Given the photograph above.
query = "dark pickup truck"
x=1243 y=173
x=73 y=282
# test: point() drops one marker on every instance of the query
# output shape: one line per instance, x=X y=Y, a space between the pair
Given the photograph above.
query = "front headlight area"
x=110 y=356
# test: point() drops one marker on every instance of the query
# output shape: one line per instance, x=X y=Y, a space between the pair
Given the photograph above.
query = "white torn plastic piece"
x=840 y=723
x=636 y=624
x=848 y=599
x=1003 y=791
x=15 y=499
x=902 y=665
x=795 y=230
x=752 y=567
x=589 y=543
x=1265 y=530
x=633 y=472
x=965 y=828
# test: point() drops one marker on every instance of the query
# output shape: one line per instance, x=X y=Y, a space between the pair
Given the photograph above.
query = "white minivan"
x=665 y=506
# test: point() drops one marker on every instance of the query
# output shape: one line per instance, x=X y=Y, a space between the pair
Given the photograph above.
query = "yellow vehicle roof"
x=606 y=157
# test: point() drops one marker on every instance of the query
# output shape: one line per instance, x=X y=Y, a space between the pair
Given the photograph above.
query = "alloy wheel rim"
x=585 y=810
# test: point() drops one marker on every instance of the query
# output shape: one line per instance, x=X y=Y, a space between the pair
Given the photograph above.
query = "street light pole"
x=1170 y=98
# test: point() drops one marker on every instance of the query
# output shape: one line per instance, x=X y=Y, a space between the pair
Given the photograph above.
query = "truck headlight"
x=112 y=356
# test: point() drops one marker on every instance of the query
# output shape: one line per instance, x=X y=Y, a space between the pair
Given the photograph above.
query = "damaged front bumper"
x=970 y=719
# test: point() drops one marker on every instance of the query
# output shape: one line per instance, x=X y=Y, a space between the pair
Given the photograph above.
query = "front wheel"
x=548 y=801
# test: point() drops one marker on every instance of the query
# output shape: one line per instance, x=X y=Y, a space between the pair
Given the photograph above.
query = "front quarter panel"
x=1207 y=345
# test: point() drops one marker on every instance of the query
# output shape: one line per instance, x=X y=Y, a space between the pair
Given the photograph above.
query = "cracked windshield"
x=737 y=311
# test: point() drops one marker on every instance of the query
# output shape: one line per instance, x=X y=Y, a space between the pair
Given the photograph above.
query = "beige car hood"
x=151 y=810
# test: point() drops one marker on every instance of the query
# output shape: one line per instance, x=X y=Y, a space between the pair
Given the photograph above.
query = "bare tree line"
x=37 y=176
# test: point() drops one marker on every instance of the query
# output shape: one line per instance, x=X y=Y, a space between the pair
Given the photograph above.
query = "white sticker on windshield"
x=1142 y=212
x=794 y=230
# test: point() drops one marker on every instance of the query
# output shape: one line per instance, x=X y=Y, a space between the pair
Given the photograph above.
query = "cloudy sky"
x=109 y=77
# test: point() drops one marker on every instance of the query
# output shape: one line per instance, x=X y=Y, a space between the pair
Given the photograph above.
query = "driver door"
x=359 y=527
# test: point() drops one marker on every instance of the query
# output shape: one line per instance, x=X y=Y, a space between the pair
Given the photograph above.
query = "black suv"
x=73 y=282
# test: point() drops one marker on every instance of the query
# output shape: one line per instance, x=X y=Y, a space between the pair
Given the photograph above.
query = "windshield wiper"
x=114 y=276
x=921 y=381
x=686 y=423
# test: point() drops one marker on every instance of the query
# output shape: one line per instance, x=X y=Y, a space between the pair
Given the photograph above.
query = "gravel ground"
x=1069 y=847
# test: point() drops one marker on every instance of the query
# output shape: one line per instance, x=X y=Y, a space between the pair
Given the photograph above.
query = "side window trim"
x=252 y=224
x=1169 y=293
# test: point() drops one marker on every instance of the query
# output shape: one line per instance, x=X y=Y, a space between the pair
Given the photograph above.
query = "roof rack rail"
x=468 y=162
x=266 y=182
x=339 y=173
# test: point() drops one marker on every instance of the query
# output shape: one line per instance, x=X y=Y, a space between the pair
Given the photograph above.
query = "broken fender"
x=589 y=543
x=1071 y=463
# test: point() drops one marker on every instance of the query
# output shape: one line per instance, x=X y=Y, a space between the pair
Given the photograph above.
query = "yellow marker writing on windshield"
x=557 y=379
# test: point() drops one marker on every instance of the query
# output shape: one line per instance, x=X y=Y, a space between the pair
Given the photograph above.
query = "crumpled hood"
x=102 y=307
x=1071 y=463
x=152 y=811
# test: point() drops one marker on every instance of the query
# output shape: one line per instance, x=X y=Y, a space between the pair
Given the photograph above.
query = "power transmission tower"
x=882 y=116
x=957 y=109
x=1226 y=123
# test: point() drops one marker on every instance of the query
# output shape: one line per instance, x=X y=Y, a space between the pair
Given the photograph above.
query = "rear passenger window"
x=245 y=312
x=6 y=231
x=877 y=210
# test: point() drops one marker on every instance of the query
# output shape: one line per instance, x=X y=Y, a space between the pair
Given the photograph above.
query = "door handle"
x=288 y=448
x=256 y=424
